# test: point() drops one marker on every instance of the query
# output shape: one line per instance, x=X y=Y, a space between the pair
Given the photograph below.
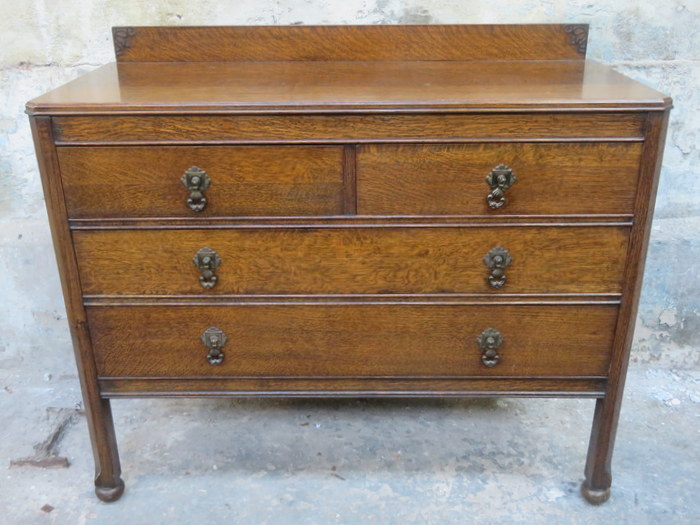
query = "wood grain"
x=352 y=128
x=350 y=179
x=355 y=341
x=596 y=486
x=378 y=42
x=354 y=260
x=415 y=221
x=302 y=87
x=451 y=178
x=246 y=181
x=108 y=483
x=352 y=387
x=579 y=299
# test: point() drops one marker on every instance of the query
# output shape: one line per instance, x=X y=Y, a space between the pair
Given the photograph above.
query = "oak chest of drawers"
x=351 y=211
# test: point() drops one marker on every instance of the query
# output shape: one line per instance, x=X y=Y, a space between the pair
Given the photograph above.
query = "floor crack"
x=46 y=453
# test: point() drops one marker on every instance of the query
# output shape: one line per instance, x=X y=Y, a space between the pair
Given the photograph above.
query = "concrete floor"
x=357 y=461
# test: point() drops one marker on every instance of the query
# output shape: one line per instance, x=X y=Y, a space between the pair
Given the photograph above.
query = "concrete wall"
x=46 y=43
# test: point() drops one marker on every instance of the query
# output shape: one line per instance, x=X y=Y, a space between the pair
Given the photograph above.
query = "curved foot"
x=110 y=494
x=594 y=496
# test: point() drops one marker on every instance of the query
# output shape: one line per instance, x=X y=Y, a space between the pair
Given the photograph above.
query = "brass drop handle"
x=207 y=260
x=196 y=181
x=214 y=339
x=497 y=260
x=499 y=180
x=489 y=341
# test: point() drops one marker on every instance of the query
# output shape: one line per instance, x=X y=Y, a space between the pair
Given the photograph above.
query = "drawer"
x=141 y=181
x=362 y=340
x=349 y=127
x=353 y=260
x=450 y=179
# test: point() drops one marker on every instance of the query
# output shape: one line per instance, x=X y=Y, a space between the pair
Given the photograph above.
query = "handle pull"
x=214 y=339
x=196 y=181
x=207 y=260
x=499 y=180
x=497 y=260
x=489 y=341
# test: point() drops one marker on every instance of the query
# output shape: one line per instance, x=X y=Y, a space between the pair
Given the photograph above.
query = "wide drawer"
x=143 y=181
x=349 y=127
x=360 y=340
x=450 y=179
x=353 y=260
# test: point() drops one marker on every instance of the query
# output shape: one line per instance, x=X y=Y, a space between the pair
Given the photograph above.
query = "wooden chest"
x=351 y=211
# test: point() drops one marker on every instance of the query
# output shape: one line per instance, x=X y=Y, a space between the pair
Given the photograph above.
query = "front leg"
x=108 y=483
x=596 y=486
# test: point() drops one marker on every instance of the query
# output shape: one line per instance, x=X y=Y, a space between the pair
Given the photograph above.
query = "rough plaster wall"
x=47 y=43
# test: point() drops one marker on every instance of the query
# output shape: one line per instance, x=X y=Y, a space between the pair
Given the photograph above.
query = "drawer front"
x=244 y=181
x=544 y=259
x=450 y=179
x=368 y=340
x=349 y=127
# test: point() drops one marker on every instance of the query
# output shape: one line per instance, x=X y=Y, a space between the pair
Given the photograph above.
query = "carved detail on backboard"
x=578 y=36
x=122 y=39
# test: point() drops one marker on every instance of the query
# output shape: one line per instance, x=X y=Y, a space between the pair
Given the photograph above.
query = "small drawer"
x=359 y=340
x=146 y=181
x=353 y=260
x=540 y=179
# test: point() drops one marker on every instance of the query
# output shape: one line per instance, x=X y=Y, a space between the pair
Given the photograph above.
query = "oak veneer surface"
x=450 y=178
x=358 y=340
x=347 y=129
x=342 y=43
x=549 y=259
x=246 y=180
x=353 y=387
x=327 y=86
x=391 y=180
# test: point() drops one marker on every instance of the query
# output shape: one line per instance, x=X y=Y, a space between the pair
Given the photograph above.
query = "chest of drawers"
x=351 y=211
